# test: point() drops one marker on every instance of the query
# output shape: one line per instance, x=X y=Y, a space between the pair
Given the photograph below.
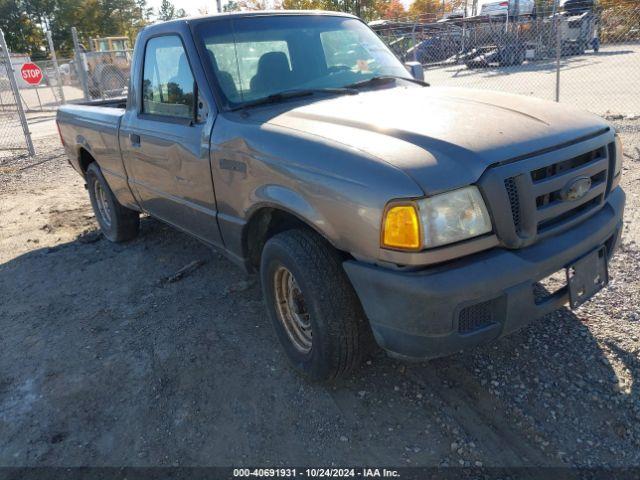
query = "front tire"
x=314 y=309
x=117 y=223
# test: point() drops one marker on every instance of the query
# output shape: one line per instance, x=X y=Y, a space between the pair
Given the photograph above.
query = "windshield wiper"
x=297 y=93
x=383 y=80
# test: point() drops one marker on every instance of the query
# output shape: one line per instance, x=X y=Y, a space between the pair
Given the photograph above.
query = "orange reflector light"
x=401 y=228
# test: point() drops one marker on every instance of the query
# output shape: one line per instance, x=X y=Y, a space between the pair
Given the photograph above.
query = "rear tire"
x=117 y=223
x=314 y=309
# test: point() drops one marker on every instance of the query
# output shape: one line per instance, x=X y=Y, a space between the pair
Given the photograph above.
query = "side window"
x=167 y=85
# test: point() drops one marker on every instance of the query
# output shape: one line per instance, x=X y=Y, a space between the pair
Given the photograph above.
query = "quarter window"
x=167 y=85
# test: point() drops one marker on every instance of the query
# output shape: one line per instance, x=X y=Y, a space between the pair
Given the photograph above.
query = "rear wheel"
x=314 y=309
x=117 y=223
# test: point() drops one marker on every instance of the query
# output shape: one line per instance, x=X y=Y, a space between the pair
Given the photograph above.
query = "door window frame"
x=196 y=91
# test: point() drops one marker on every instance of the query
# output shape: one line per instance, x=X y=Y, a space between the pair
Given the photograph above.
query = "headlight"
x=453 y=216
x=439 y=220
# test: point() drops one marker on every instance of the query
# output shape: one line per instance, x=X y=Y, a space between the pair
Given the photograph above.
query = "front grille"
x=540 y=195
x=569 y=214
x=514 y=201
x=475 y=317
x=549 y=182
x=563 y=166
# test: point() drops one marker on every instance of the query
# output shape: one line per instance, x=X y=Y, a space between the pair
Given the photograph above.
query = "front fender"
x=276 y=197
x=286 y=199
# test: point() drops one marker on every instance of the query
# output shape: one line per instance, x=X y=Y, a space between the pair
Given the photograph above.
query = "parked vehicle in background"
x=108 y=65
x=365 y=217
x=110 y=44
x=524 y=7
x=578 y=27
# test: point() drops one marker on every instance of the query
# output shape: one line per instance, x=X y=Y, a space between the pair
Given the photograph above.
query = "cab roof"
x=257 y=13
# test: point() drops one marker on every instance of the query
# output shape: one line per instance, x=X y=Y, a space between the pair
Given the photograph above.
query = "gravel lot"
x=601 y=82
x=104 y=362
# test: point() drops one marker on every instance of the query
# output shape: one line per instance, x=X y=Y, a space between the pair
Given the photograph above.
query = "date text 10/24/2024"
x=316 y=473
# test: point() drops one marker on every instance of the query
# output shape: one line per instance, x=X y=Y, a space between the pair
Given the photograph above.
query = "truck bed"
x=93 y=129
x=116 y=102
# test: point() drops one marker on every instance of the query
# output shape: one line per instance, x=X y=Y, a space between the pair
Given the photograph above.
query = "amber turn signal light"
x=401 y=227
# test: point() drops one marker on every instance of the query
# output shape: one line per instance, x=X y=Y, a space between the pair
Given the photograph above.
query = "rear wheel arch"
x=117 y=223
x=84 y=160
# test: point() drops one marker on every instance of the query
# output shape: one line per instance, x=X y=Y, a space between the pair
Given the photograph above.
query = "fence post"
x=80 y=63
x=16 y=94
x=415 y=43
x=54 y=59
x=556 y=17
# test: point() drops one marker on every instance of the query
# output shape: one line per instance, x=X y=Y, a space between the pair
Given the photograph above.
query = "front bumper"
x=421 y=314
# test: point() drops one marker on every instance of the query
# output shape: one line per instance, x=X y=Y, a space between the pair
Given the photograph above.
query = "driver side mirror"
x=415 y=69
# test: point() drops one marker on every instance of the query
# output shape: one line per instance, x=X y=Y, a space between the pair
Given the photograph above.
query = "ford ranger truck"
x=375 y=208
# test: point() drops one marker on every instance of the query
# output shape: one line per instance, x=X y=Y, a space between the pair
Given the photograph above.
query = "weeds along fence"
x=573 y=51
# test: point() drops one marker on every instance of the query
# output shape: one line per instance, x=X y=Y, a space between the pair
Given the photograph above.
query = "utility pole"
x=219 y=6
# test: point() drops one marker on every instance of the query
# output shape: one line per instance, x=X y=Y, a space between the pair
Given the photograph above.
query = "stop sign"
x=31 y=73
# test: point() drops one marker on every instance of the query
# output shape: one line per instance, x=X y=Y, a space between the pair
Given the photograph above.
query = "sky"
x=192 y=6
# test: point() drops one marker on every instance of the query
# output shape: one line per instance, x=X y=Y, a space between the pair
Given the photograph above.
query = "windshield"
x=254 y=57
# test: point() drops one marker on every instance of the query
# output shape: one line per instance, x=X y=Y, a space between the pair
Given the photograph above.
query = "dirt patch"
x=106 y=361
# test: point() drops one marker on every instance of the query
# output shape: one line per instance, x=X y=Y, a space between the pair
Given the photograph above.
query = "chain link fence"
x=14 y=130
x=107 y=73
x=577 y=52
x=103 y=72
x=88 y=75
x=107 y=76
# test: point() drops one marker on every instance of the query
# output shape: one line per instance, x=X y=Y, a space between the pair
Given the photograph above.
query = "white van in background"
x=492 y=8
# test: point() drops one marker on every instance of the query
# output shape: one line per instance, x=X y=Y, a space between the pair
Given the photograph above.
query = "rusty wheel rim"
x=292 y=311
x=102 y=203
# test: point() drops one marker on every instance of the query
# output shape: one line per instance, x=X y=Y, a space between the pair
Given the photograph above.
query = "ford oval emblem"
x=576 y=189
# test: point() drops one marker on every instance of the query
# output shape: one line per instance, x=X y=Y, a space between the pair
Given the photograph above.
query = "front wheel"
x=314 y=309
x=117 y=223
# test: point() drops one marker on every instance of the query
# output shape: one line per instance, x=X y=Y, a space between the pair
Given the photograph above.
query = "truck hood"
x=441 y=137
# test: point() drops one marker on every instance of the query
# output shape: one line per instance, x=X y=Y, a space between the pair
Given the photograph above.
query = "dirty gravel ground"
x=103 y=362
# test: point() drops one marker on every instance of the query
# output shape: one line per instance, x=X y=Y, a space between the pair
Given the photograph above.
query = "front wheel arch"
x=267 y=221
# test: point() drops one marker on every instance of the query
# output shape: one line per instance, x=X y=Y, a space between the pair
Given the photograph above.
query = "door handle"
x=135 y=139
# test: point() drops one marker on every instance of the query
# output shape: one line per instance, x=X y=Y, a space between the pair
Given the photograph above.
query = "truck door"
x=164 y=138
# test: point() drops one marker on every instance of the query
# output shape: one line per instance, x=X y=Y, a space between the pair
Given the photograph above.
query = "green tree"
x=24 y=22
x=23 y=34
x=365 y=9
x=303 y=4
x=168 y=11
x=231 y=6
